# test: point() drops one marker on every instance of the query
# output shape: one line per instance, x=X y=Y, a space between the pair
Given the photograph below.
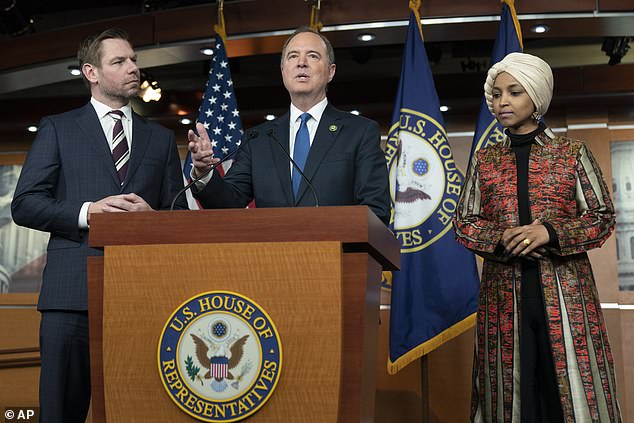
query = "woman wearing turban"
x=532 y=206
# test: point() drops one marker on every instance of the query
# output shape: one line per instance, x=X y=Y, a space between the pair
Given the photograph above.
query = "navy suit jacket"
x=70 y=163
x=345 y=165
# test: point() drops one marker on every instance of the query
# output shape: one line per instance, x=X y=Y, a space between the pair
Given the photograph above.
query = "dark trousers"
x=540 y=400
x=65 y=371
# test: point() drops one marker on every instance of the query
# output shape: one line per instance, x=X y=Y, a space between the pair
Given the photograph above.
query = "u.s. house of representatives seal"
x=424 y=180
x=219 y=356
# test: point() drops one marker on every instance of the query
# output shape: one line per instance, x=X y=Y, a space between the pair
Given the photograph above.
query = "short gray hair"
x=330 y=52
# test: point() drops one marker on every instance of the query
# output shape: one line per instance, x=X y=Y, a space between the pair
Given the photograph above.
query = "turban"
x=531 y=72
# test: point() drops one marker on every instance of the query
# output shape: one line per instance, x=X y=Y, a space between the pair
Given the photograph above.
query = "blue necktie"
x=300 y=151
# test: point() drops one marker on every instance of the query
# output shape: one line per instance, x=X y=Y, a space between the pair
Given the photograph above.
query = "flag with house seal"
x=509 y=40
x=434 y=295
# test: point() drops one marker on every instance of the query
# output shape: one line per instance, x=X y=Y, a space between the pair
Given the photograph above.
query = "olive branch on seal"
x=192 y=370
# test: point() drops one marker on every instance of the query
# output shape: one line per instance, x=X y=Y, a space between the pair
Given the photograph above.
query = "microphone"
x=250 y=135
x=271 y=133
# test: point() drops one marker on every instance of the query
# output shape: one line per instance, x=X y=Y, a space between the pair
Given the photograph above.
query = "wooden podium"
x=316 y=272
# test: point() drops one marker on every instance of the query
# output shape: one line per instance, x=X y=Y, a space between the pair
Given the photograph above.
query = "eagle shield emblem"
x=220 y=356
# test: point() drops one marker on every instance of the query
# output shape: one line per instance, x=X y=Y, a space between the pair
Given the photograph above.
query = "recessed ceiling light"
x=366 y=37
x=355 y=112
x=74 y=70
x=207 y=51
x=540 y=28
x=185 y=121
x=444 y=108
x=269 y=117
x=31 y=128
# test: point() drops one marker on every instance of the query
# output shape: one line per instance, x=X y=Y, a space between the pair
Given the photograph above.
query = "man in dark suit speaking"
x=100 y=158
x=338 y=152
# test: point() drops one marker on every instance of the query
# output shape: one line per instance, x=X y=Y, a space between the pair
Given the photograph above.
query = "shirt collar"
x=315 y=112
x=103 y=110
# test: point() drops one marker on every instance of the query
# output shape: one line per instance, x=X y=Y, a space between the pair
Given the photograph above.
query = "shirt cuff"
x=83 y=216
x=202 y=182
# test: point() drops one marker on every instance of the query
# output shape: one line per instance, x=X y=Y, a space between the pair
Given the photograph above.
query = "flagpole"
x=414 y=6
x=220 y=26
x=315 y=16
x=424 y=390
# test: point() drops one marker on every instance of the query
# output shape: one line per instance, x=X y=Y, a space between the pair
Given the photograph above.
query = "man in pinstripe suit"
x=73 y=170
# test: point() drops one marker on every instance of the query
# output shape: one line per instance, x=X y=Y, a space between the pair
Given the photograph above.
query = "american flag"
x=218 y=113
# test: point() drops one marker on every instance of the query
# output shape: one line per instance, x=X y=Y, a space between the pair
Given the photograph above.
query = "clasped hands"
x=526 y=241
x=119 y=203
x=201 y=151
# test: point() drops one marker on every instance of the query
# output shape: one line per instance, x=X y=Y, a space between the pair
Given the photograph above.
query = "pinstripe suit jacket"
x=70 y=163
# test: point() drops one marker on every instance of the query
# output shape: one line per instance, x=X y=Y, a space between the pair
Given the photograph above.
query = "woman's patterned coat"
x=567 y=190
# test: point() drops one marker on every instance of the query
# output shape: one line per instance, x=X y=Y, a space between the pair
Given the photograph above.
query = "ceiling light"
x=32 y=128
x=74 y=70
x=366 y=37
x=444 y=108
x=207 y=51
x=355 y=112
x=269 y=117
x=540 y=28
x=149 y=89
x=185 y=121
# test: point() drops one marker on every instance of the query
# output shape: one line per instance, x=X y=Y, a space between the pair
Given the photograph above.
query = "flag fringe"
x=431 y=344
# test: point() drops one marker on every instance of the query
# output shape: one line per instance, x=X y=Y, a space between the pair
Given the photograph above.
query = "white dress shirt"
x=295 y=121
x=107 y=124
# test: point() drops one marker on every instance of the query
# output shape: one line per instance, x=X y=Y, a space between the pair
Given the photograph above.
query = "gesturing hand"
x=201 y=150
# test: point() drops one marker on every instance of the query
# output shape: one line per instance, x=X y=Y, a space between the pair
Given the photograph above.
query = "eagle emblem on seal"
x=219 y=364
x=408 y=174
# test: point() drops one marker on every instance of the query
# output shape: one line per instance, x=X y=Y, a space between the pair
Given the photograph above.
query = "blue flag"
x=509 y=40
x=218 y=112
x=434 y=295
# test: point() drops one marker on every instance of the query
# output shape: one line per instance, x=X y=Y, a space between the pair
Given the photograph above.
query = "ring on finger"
x=527 y=242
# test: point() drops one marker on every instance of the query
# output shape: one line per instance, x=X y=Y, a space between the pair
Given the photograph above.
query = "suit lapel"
x=140 y=142
x=327 y=132
x=89 y=123
x=280 y=160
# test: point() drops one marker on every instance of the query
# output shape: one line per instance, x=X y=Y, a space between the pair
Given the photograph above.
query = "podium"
x=315 y=272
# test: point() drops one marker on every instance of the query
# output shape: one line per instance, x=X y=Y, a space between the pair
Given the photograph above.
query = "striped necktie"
x=120 y=149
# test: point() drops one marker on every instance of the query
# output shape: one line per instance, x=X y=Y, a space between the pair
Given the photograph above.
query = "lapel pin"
x=332 y=128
